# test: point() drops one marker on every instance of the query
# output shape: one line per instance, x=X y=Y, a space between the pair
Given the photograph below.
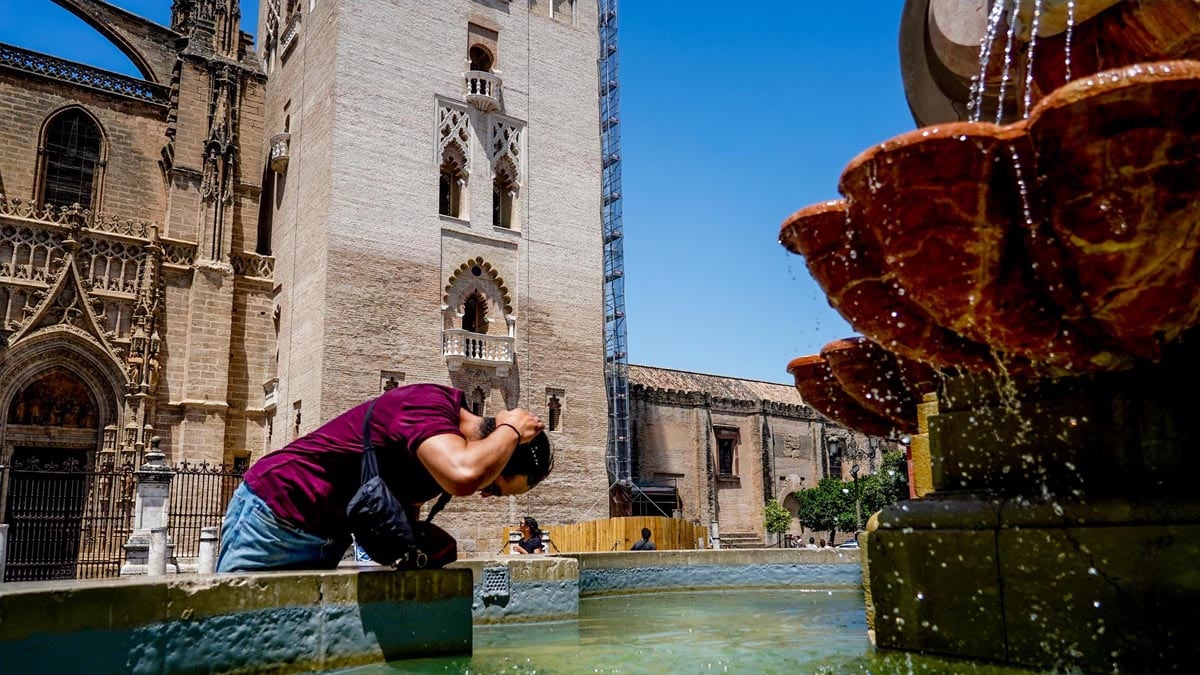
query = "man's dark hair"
x=645 y=533
x=534 y=459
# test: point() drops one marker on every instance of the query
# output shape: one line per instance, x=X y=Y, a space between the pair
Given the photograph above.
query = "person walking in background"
x=531 y=537
x=645 y=544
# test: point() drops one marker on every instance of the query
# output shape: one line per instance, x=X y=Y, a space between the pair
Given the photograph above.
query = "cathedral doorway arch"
x=61 y=401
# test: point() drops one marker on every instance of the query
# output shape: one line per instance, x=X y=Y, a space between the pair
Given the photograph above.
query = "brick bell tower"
x=213 y=163
x=434 y=206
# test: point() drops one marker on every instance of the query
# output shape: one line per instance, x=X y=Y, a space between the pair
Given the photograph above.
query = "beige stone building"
x=715 y=449
x=242 y=243
x=434 y=203
x=134 y=284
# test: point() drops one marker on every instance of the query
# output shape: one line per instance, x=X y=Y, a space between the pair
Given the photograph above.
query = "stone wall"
x=133 y=136
x=265 y=623
x=782 y=446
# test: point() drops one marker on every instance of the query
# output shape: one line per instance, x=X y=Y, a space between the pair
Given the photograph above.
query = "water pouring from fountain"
x=1045 y=265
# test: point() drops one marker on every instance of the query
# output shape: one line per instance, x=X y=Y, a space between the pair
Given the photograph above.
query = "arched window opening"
x=834 y=447
x=481 y=59
x=728 y=439
x=504 y=194
x=475 y=309
x=477 y=401
x=56 y=399
x=71 y=151
x=554 y=407
x=451 y=181
x=266 y=212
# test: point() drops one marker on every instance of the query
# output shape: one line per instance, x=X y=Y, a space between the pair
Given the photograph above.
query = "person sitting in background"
x=645 y=544
x=531 y=537
x=812 y=542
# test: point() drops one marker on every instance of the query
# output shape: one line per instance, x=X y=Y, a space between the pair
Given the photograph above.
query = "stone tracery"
x=471 y=276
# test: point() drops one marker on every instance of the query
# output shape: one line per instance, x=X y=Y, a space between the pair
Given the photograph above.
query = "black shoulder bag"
x=378 y=520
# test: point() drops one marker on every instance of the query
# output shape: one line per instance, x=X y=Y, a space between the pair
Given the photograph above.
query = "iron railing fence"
x=66 y=520
x=69 y=520
x=199 y=495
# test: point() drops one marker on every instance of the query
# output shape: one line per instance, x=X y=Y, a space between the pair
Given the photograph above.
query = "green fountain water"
x=734 y=631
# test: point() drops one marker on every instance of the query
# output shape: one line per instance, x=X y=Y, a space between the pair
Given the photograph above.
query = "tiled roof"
x=713 y=385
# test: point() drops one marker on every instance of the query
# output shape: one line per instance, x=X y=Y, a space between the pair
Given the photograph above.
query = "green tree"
x=893 y=477
x=821 y=506
x=829 y=507
x=777 y=518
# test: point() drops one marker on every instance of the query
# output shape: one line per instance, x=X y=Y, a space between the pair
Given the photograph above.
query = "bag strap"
x=370 y=464
x=440 y=504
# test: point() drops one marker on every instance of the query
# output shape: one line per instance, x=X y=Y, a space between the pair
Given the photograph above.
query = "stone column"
x=150 y=510
x=156 y=565
x=207 y=562
x=920 y=465
x=3 y=550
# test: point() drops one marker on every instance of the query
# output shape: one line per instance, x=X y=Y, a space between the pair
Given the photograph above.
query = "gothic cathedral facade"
x=135 y=290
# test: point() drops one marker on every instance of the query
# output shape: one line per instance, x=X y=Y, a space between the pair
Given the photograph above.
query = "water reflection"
x=742 y=631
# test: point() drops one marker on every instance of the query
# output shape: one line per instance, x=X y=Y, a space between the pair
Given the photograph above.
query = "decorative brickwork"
x=148 y=299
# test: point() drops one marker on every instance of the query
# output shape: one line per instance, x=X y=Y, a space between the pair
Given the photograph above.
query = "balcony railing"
x=483 y=89
x=271 y=394
x=281 y=151
x=463 y=346
x=84 y=76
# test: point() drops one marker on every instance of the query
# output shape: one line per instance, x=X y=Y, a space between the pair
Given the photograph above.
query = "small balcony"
x=281 y=150
x=270 y=394
x=483 y=90
x=463 y=346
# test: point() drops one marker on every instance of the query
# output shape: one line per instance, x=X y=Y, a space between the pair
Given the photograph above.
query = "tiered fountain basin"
x=1048 y=270
x=941 y=44
x=862 y=386
x=1061 y=244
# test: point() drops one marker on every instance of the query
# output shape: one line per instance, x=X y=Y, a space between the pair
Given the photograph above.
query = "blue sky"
x=734 y=115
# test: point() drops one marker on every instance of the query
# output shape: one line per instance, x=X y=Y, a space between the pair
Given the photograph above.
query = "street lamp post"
x=857 y=500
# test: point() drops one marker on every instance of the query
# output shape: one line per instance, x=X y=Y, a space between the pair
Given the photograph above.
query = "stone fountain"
x=1046 y=265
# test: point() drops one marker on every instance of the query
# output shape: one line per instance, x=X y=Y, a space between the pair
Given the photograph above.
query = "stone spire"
x=215 y=20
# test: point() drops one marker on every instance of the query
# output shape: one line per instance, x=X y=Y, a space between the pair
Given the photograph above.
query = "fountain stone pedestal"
x=1064 y=529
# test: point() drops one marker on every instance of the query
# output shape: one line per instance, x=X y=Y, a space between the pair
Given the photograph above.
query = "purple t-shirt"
x=309 y=482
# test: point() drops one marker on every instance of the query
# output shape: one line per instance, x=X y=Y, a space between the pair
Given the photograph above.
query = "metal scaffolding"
x=616 y=364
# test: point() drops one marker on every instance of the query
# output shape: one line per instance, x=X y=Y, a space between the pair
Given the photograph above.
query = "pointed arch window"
x=451 y=181
x=504 y=196
x=475 y=309
x=481 y=58
x=72 y=148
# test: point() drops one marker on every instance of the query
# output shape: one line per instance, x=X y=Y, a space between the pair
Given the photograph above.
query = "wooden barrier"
x=619 y=534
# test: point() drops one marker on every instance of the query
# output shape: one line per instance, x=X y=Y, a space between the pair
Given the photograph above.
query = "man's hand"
x=525 y=423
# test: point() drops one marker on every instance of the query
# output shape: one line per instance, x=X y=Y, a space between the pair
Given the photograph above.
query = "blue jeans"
x=253 y=540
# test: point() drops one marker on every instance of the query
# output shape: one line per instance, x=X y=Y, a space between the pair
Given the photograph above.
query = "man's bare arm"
x=464 y=467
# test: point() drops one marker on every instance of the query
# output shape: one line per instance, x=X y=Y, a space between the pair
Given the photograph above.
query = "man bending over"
x=290 y=511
